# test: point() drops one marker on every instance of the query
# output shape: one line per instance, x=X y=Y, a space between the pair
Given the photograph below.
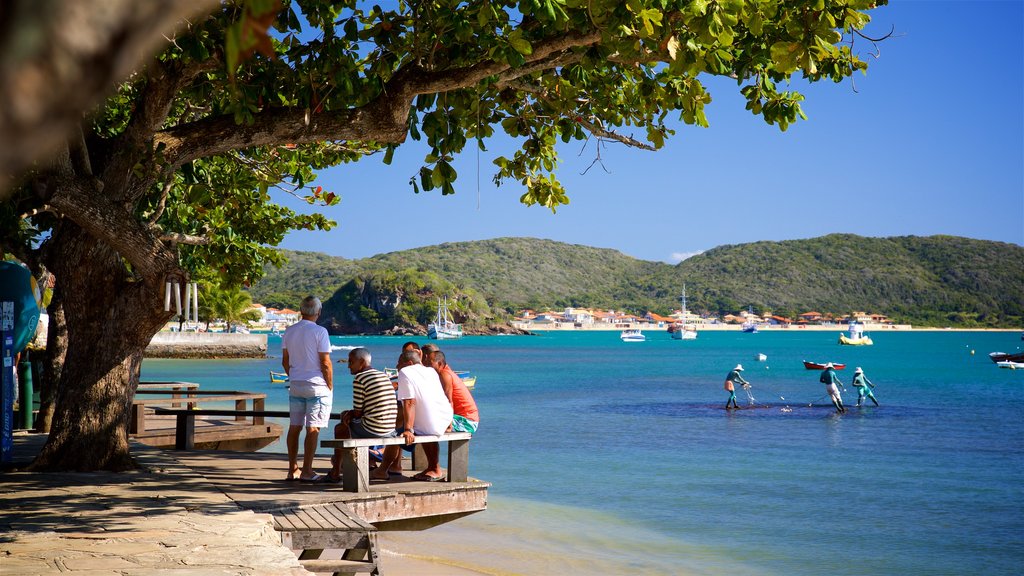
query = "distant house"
x=810 y=317
x=578 y=316
x=779 y=320
x=658 y=318
x=603 y=316
x=732 y=319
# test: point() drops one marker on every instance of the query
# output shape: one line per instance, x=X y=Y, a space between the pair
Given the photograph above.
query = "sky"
x=930 y=141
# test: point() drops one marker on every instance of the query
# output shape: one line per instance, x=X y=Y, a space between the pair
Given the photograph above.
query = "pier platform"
x=216 y=511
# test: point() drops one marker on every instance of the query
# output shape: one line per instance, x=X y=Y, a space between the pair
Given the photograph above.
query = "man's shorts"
x=357 y=430
x=312 y=412
x=463 y=424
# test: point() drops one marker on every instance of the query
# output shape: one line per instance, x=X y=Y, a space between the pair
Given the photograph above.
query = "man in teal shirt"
x=734 y=378
x=832 y=384
x=861 y=383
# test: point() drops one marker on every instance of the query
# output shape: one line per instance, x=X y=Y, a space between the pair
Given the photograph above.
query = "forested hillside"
x=937 y=280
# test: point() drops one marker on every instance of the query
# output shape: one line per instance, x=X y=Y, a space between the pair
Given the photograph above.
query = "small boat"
x=855 y=336
x=682 y=331
x=821 y=365
x=632 y=336
x=760 y=357
x=1010 y=365
x=467 y=377
x=750 y=327
x=1004 y=357
x=278 y=377
x=444 y=326
x=336 y=348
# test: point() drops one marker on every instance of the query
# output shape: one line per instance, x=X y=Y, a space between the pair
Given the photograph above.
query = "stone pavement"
x=162 y=519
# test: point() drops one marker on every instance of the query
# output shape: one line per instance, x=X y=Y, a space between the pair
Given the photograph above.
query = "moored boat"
x=633 y=335
x=821 y=365
x=760 y=357
x=467 y=377
x=682 y=331
x=1006 y=357
x=855 y=336
x=444 y=326
x=278 y=377
x=1010 y=365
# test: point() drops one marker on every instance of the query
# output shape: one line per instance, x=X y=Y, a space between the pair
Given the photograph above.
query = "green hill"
x=937 y=280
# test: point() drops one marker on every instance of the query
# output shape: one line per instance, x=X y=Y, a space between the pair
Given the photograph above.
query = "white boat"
x=1011 y=365
x=856 y=336
x=760 y=357
x=632 y=336
x=684 y=332
x=443 y=327
x=749 y=326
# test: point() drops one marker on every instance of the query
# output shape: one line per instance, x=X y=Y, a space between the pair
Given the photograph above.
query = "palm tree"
x=231 y=305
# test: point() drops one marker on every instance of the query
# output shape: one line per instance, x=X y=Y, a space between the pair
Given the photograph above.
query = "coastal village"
x=593 y=319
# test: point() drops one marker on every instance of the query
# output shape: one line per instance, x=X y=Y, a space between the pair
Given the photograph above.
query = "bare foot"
x=376 y=476
x=293 y=475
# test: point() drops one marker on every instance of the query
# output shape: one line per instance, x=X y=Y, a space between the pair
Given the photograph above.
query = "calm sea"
x=610 y=458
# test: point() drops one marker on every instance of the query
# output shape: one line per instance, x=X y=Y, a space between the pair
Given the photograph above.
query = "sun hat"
x=738 y=367
x=829 y=365
x=858 y=371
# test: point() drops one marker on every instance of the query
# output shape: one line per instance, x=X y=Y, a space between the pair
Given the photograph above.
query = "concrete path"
x=162 y=519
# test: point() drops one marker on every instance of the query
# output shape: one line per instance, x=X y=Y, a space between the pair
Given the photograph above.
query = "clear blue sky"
x=931 y=143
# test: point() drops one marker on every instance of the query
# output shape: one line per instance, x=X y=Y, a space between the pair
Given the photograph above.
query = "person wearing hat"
x=832 y=384
x=734 y=378
x=861 y=383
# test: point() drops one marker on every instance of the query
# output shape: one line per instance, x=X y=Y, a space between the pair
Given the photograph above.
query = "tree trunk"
x=111 y=317
x=56 y=350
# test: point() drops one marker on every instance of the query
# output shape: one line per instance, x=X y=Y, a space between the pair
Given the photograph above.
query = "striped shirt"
x=374 y=396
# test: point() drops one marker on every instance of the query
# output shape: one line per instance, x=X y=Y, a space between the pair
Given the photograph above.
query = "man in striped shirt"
x=374 y=408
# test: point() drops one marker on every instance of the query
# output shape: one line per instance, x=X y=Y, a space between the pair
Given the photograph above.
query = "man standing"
x=306 y=357
x=374 y=409
x=861 y=383
x=734 y=378
x=427 y=413
x=466 y=417
x=832 y=384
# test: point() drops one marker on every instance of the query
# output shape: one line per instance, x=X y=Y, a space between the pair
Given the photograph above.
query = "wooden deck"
x=256 y=481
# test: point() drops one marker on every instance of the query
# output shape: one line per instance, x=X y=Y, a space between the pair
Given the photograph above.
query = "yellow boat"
x=856 y=336
x=278 y=377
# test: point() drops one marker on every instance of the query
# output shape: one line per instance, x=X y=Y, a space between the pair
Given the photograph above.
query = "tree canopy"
x=174 y=176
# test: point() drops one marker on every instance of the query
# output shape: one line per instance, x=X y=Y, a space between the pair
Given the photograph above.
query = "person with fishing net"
x=832 y=384
x=732 y=379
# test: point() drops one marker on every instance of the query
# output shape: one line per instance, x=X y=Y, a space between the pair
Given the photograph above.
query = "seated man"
x=373 y=410
x=467 y=417
x=427 y=412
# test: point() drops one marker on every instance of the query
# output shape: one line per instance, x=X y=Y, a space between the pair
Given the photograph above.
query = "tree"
x=231 y=305
x=173 y=177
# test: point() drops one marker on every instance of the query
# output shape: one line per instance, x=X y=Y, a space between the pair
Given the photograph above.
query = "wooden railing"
x=191 y=398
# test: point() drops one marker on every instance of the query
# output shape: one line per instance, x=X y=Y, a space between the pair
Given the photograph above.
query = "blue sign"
x=7 y=381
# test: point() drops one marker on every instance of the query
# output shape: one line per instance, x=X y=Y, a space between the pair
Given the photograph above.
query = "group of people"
x=428 y=399
x=828 y=378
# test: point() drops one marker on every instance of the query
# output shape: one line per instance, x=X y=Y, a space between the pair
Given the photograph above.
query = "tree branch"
x=82 y=202
x=59 y=58
x=179 y=238
x=383 y=120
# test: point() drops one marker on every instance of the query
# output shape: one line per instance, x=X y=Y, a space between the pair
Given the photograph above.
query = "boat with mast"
x=444 y=326
x=684 y=332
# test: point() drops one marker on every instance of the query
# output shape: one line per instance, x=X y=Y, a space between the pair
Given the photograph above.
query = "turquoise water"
x=591 y=443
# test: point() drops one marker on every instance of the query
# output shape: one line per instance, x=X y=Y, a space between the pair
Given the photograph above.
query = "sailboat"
x=444 y=326
x=684 y=332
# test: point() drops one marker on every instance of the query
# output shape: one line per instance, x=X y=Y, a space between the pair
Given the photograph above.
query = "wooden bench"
x=185 y=421
x=137 y=423
x=355 y=457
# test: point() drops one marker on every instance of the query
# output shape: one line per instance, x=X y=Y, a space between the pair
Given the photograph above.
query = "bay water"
x=619 y=458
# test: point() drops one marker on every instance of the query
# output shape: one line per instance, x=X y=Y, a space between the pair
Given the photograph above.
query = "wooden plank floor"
x=256 y=481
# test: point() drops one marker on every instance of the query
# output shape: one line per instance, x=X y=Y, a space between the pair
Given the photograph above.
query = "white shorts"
x=312 y=412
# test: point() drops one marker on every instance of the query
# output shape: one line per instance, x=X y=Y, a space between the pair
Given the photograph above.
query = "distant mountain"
x=937 y=280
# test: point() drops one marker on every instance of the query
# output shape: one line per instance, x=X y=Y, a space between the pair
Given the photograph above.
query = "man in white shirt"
x=427 y=413
x=306 y=357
